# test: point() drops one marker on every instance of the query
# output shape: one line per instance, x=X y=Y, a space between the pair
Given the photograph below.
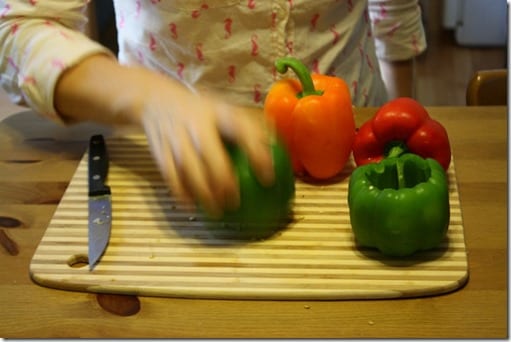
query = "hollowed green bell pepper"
x=399 y=205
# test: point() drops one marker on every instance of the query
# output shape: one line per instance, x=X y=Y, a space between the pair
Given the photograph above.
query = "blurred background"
x=463 y=36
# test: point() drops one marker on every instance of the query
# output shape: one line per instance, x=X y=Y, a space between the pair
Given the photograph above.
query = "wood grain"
x=160 y=247
x=121 y=305
x=8 y=244
x=479 y=140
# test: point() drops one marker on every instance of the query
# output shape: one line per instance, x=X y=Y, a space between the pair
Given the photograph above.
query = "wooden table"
x=38 y=159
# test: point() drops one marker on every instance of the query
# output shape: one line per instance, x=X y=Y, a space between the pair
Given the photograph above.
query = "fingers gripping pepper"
x=314 y=117
x=263 y=209
x=398 y=126
x=399 y=205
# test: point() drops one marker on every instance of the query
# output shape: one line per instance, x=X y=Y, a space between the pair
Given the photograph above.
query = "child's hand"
x=184 y=129
x=185 y=132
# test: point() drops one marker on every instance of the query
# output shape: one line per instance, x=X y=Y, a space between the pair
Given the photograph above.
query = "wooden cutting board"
x=160 y=247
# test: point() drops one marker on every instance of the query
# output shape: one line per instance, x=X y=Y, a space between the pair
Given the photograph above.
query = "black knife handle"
x=98 y=166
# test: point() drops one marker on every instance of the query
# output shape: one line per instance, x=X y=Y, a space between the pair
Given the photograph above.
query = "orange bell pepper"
x=314 y=117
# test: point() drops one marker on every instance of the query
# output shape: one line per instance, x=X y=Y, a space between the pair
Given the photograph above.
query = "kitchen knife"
x=100 y=202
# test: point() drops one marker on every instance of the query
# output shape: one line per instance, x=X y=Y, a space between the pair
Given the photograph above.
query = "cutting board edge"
x=448 y=286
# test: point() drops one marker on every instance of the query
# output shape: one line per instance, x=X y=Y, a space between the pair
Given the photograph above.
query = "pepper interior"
x=399 y=173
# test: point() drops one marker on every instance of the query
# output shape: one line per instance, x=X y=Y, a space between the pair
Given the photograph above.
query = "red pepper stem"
x=301 y=71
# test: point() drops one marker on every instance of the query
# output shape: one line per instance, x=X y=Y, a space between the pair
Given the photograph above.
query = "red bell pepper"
x=401 y=125
x=314 y=117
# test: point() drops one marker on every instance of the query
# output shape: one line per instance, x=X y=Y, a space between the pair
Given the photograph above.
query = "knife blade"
x=100 y=201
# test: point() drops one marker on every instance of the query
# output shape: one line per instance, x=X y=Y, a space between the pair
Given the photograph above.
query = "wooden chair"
x=488 y=88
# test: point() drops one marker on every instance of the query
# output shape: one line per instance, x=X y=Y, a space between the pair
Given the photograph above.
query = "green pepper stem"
x=301 y=71
x=400 y=174
x=395 y=149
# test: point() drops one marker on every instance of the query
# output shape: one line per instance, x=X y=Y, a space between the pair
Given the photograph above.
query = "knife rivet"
x=98 y=220
x=96 y=158
x=96 y=177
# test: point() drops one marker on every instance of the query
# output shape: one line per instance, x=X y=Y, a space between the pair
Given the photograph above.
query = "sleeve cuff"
x=48 y=55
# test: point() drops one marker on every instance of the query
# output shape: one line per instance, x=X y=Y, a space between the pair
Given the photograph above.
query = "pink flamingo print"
x=196 y=13
x=58 y=63
x=367 y=19
x=315 y=66
x=140 y=57
x=382 y=14
x=26 y=79
x=369 y=63
x=64 y=35
x=29 y=80
x=152 y=42
x=232 y=73
x=257 y=93
x=393 y=29
x=255 y=45
x=5 y=10
x=366 y=96
x=350 y=5
x=180 y=70
x=335 y=33
x=228 y=27
x=13 y=64
x=273 y=20
x=198 y=52
x=121 y=21
x=138 y=8
x=383 y=11
x=14 y=28
x=354 y=86
x=289 y=46
x=173 y=30
x=415 y=43
x=361 y=51
x=314 y=21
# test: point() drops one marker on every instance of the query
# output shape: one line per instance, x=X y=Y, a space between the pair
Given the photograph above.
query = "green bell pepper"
x=399 y=205
x=263 y=209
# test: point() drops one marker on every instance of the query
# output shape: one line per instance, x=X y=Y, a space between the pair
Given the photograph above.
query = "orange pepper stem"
x=301 y=71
